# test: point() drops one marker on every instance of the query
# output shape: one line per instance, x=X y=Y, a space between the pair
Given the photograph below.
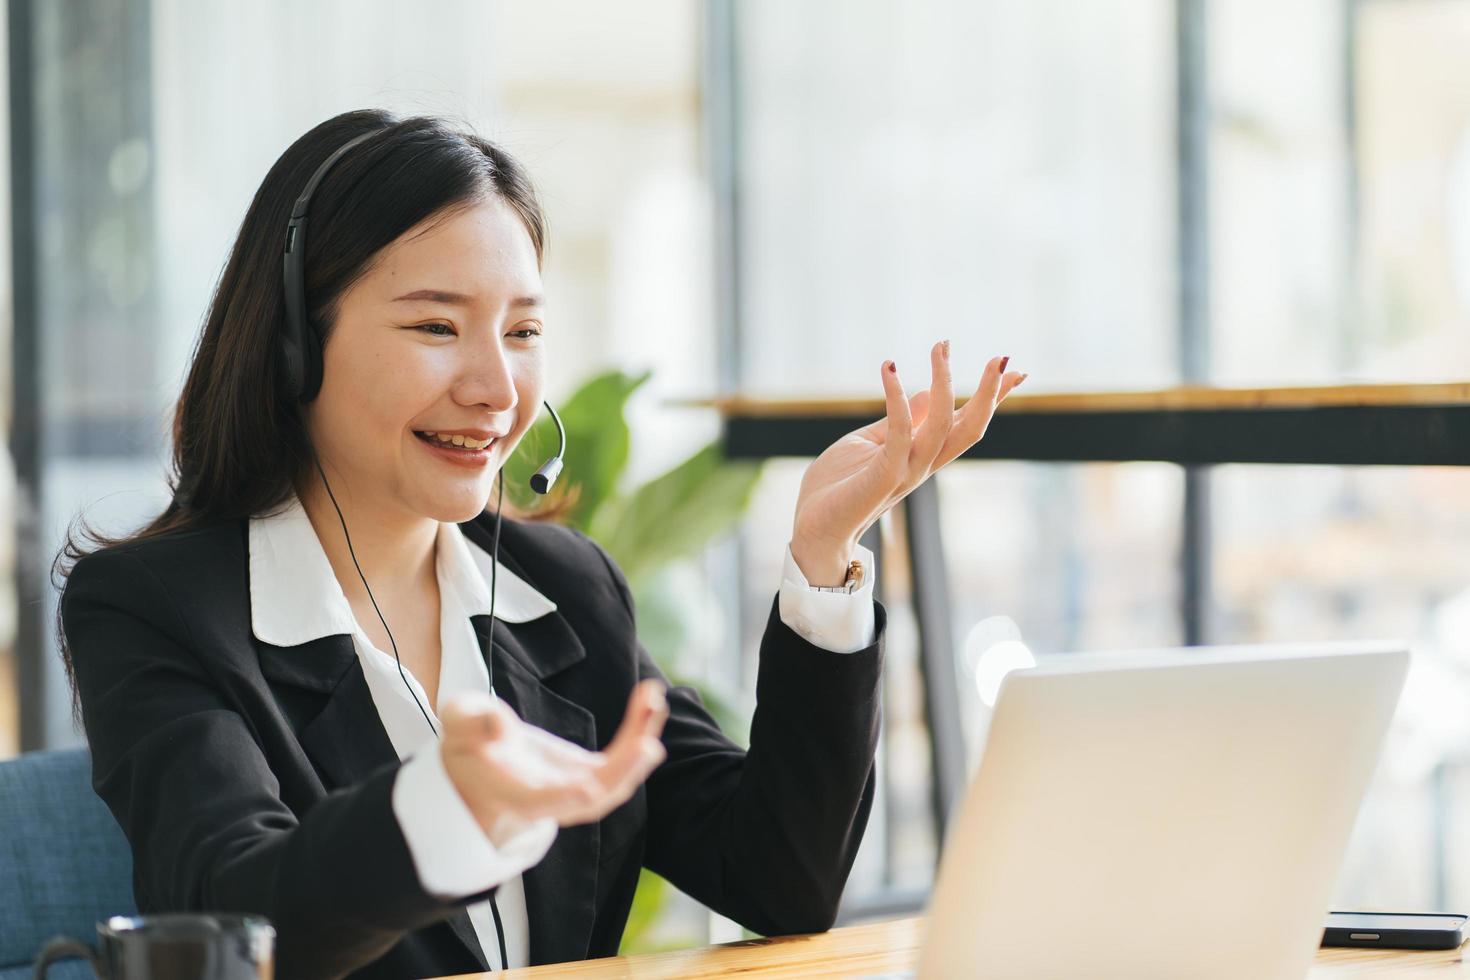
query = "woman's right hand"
x=502 y=765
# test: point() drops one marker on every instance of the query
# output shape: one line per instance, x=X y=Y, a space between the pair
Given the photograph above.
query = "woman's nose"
x=491 y=384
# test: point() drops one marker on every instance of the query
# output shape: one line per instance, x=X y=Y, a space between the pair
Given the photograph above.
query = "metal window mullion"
x=1193 y=147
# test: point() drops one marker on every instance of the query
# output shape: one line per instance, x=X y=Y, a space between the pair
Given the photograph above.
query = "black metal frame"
x=1334 y=435
x=1192 y=147
x=25 y=379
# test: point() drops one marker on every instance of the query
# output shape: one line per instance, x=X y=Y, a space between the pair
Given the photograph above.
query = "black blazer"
x=250 y=777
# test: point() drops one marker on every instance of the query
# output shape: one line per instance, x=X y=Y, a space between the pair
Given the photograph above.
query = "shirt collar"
x=295 y=596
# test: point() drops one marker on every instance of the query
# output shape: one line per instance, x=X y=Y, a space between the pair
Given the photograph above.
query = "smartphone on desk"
x=1394 y=930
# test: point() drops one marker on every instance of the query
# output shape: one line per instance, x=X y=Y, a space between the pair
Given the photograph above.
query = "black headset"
x=301 y=349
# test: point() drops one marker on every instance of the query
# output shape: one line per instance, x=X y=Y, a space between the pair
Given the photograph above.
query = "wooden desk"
x=887 y=947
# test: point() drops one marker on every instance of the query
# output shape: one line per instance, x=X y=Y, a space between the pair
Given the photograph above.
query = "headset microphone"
x=545 y=477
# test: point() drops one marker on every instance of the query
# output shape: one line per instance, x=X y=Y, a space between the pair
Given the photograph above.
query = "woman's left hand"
x=860 y=476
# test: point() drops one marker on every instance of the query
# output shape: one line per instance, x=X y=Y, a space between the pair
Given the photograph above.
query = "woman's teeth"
x=464 y=442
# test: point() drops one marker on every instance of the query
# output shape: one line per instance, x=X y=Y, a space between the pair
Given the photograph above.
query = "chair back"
x=64 y=862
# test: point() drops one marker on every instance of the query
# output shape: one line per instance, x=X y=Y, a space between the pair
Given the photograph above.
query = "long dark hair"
x=240 y=444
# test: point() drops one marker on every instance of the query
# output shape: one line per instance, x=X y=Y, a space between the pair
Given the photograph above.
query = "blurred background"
x=769 y=199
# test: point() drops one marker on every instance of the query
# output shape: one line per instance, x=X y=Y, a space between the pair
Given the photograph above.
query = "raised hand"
x=860 y=476
x=500 y=764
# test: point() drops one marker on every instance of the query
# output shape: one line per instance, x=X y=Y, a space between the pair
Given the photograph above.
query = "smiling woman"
x=485 y=796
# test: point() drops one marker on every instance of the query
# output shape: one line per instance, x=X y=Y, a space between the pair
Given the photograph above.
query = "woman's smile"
x=459 y=450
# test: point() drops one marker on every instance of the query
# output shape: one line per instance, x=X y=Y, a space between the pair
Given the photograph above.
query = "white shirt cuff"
x=452 y=855
x=842 y=622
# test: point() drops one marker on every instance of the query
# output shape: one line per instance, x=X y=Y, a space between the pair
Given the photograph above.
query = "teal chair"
x=64 y=862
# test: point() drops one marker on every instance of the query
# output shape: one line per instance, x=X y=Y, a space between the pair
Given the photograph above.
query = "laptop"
x=1172 y=814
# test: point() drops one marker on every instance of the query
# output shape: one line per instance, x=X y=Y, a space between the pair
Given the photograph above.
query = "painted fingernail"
x=946 y=350
x=892 y=368
x=1003 y=362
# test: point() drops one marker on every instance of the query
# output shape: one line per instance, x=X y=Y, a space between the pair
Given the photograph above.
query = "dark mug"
x=173 y=947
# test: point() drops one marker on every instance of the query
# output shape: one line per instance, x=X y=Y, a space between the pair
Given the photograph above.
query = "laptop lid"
x=1163 y=814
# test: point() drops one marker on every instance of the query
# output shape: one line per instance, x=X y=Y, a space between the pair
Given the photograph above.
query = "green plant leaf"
x=597 y=446
x=648 y=902
x=536 y=446
x=678 y=513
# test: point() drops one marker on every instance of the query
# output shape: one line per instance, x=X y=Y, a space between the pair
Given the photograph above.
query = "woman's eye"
x=445 y=330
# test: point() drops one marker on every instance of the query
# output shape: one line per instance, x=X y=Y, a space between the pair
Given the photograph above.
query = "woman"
x=269 y=745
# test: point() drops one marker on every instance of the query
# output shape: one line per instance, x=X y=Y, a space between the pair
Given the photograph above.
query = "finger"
x=622 y=774
x=1011 y=382
x=610 y=795
x=475 y=714
x=655 y=697
x=561 y=751
x=532 y=784
x=651 y=753
x=498 y=720
x=647 y=708
x=931 y=435
x=918 y=408
x=982 y=403
x=974 y=418
x=634 y=762
x=627 y=753
x=565 y=798
x=900 y=421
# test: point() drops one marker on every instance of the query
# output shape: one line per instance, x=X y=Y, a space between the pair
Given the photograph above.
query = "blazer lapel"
x=561 y=890
x=346 y=741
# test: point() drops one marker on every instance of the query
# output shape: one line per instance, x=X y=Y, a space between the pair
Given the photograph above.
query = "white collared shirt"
x=295 y=597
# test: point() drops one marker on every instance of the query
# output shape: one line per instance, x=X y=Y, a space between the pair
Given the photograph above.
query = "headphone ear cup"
x=301 y=359
x=301 y=364
x=311 y=365
x=293 y=331
x=291 y=367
